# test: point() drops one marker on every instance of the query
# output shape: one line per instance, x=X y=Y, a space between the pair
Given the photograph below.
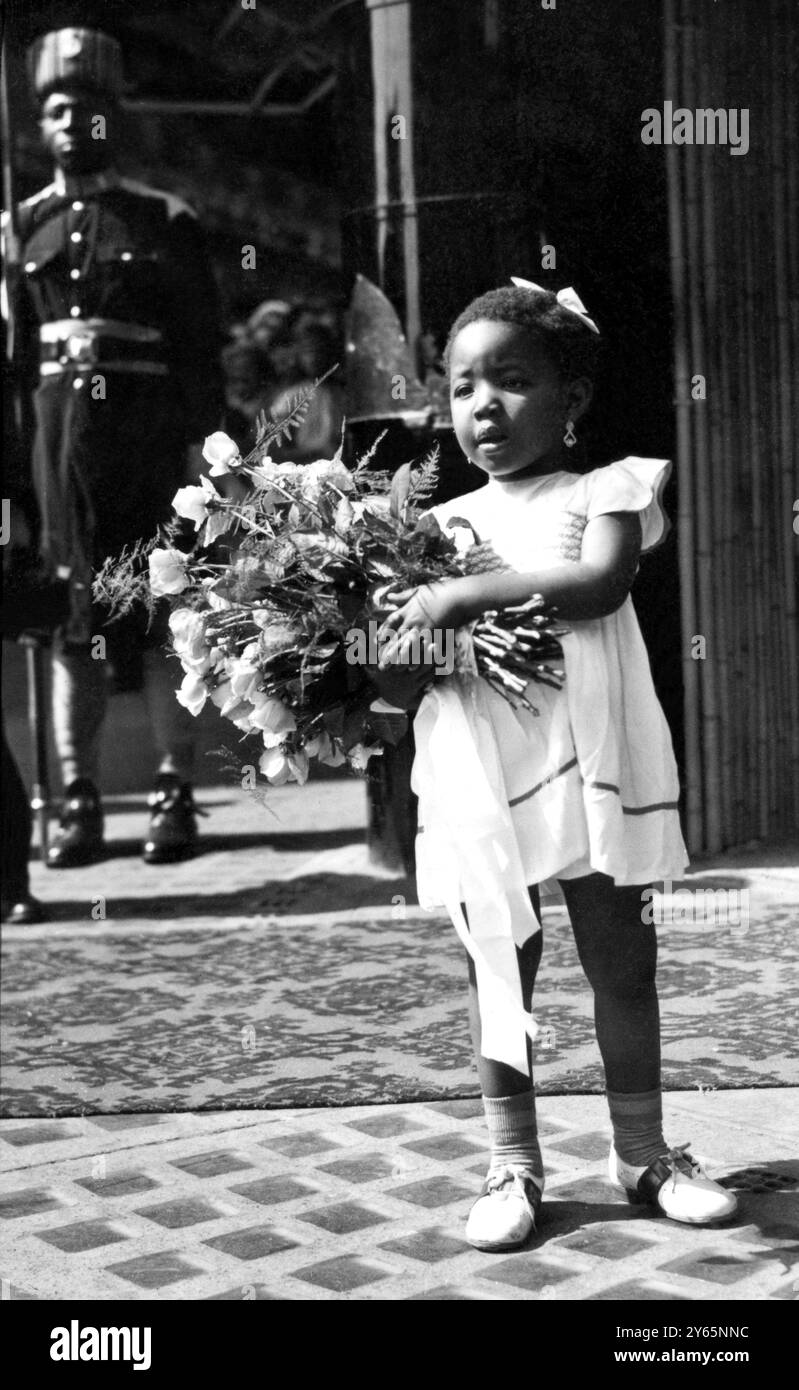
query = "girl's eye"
x=462 y=390
x=513 y=383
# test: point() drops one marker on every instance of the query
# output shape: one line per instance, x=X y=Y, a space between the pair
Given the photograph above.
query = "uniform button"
x=75 y=311
x=74 y=275
x=78 y=207
x=30 y=266
x=127 y=256
x=76 y=237
x=77 y=383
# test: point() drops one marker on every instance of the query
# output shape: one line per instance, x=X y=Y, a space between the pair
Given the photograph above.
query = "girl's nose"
x=485 y=402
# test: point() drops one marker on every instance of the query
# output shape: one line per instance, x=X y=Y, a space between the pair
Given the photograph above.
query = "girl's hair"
x=570 y=344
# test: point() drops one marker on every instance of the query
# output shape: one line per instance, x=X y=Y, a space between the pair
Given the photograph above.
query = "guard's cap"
x=75 y=57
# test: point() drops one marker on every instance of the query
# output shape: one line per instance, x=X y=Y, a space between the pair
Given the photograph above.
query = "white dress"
x=590 y=784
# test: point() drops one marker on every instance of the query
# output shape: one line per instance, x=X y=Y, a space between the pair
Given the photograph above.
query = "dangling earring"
x=570 y=438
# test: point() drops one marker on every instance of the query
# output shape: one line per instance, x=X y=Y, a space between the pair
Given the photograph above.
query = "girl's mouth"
x=490 y=439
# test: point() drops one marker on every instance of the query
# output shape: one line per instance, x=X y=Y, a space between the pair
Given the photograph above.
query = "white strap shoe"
x=506 y=1213
x=677 y=1185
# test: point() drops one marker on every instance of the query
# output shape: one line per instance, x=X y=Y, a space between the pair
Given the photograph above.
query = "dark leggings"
x=618 y=952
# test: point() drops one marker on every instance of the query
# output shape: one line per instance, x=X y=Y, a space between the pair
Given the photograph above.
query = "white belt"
x=146 y=368
x=56 y=329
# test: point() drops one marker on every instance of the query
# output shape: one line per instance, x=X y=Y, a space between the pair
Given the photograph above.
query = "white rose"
x=221 y=452
x=298 y=762
x=192 y=502
x=273 y=481
x=275 y=766
x=280 y=766
x=188 y=634
x=193 y=693
x=274 y=719
x=360 y=754
x=244 y=678
x=237 y=711
x=314 y=475
x=323 y=748
x=245 y=673
x=335 y=757
x=200 y=666
x=276 y=637
x=220 y=695
x=167 y=572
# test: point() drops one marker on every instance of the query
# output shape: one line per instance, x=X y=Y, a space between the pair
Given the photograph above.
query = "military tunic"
x=116 y=341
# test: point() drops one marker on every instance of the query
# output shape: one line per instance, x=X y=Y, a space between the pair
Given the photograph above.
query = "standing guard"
x=116 y=348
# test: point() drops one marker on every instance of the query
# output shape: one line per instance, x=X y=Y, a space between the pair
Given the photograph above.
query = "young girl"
x=585 y=791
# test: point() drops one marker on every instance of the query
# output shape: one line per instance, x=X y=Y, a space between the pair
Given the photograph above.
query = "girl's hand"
x=428 y=610
x=431 y=606
x=402 y=686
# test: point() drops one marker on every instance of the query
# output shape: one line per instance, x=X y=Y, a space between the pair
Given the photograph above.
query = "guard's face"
x=78 y=130
x=509 y=407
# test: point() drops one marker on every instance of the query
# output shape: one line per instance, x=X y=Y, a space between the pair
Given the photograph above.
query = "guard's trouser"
x=80 y=697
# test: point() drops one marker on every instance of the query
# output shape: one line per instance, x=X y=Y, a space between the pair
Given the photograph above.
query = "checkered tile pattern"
x=360 y=1203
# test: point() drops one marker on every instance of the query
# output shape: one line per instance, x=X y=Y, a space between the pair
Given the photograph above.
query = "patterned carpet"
x=264 y=1012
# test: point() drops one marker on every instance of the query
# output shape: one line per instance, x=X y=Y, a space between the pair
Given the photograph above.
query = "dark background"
x=534 y=139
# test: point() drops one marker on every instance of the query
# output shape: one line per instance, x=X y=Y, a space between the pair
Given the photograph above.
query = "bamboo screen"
x=735 y=280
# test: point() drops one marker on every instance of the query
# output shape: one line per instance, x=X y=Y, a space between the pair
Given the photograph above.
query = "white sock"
x=513 y=1133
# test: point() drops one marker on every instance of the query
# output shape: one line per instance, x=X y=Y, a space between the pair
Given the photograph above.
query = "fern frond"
x=425 y=481
x=122 y=583
x=338 y=456
x=362 y=466
x=275 y=430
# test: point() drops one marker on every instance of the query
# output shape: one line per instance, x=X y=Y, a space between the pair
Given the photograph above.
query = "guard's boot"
x=173 y=821
x=79 y=839
x=21 y=909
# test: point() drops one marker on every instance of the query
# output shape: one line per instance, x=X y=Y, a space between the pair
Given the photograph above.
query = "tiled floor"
x=370 y=1204
x=362 y=1202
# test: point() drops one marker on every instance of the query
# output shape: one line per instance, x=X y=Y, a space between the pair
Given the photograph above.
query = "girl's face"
x=509 y=406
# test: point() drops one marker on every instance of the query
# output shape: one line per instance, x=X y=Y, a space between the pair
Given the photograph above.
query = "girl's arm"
x=592 y=588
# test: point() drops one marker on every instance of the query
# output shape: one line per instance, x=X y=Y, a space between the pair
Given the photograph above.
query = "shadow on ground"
x=306 y=894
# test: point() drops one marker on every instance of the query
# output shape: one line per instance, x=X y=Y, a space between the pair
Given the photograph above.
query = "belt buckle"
x=79 y=348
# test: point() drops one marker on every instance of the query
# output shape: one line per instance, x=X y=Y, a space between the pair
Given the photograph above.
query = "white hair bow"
x=568 y=297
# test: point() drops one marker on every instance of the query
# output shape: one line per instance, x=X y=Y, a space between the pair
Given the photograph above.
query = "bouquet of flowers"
x=281 y=634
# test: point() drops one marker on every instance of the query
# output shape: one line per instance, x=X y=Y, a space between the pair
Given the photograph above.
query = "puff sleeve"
x=632 y=485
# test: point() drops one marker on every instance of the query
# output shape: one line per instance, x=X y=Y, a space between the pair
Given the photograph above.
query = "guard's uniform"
x=116 y=341
x=117 y=338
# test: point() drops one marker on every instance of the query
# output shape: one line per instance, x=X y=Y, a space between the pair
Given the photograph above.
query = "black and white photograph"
x=400 y=685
